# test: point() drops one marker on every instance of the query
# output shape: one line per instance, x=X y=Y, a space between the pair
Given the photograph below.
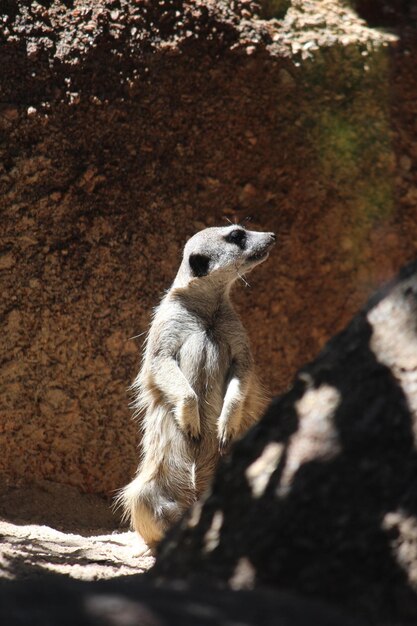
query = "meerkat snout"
x=197 y=389
x=259 y=250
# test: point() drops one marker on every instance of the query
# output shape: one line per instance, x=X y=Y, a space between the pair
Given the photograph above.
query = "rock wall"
x=127 y=126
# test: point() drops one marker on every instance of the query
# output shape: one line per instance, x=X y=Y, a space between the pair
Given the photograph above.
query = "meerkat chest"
x=205 y=355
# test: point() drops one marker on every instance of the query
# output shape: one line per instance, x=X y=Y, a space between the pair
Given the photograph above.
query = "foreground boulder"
x=320 y=498
x=131 y=602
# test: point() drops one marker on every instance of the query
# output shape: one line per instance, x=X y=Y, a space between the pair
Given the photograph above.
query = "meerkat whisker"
x=137 y=336
x=245 y=282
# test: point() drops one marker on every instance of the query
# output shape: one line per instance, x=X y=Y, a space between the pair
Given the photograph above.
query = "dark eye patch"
x=200 y=264
x=237 y=237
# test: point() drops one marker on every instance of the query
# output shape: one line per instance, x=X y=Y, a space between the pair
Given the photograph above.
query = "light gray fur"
x=196 y=390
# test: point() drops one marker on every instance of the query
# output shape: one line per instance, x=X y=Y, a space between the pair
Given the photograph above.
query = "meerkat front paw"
x=228 y=429
x=225 y=436
x=225 y=441
x=188 y=418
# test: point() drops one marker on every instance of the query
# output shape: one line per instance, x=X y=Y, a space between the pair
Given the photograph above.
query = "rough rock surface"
x=320 y=498
x=127 y=126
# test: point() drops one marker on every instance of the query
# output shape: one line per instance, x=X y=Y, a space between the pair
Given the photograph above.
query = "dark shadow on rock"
x=52 y=599
x=385 y=13
x=328 y=522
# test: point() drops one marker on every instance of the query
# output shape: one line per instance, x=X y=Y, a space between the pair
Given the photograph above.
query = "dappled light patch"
x=244 y=576
x=394 y=338
x=212 y=536
x=259 y=472
x=316 y=434
x=195 y=514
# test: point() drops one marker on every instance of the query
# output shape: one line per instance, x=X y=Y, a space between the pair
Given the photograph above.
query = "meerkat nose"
x=273 y=236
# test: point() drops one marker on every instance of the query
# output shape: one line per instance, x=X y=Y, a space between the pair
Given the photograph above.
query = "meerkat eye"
x=237 y=237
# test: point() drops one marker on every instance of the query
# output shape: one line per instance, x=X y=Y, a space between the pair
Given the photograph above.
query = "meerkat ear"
x=199 y=264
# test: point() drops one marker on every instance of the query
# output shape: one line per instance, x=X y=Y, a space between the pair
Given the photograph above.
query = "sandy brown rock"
x=122 y=132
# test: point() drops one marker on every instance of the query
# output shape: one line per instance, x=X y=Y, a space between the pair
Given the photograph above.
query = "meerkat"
x=197 y=389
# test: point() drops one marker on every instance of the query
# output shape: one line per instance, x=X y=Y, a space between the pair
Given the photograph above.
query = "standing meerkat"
x=197 y=390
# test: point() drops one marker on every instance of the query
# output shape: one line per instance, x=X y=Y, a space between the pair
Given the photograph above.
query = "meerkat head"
x=225 y=253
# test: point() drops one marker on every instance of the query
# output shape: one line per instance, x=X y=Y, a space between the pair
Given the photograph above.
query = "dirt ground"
x=53 y=529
